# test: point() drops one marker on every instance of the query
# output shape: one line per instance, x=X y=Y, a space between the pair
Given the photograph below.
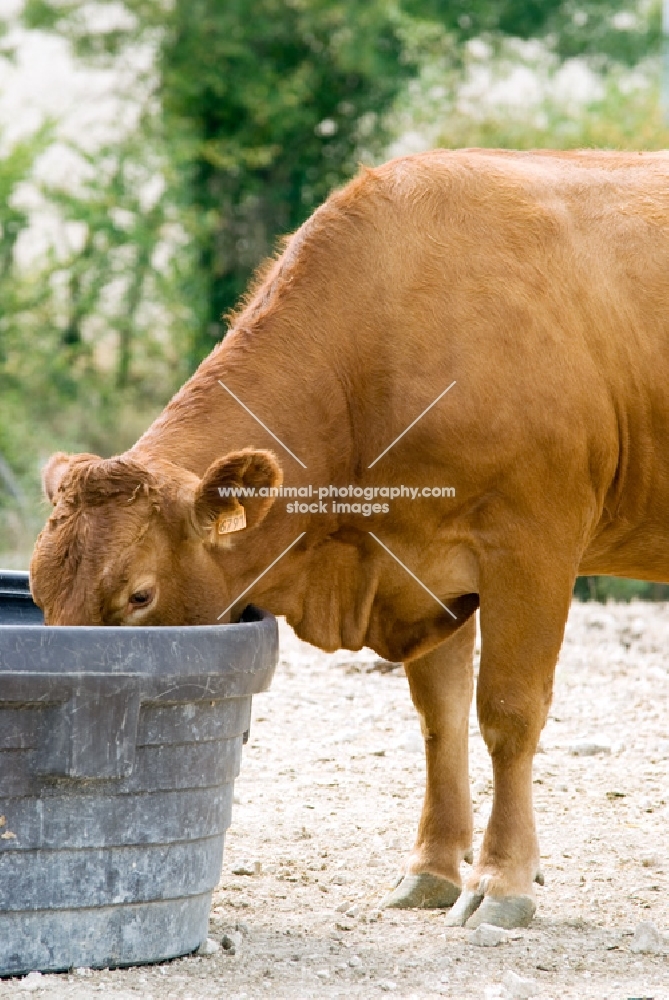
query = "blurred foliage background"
x=245 y=115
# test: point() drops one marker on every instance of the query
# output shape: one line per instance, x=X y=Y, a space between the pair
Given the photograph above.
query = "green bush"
x=611 y=588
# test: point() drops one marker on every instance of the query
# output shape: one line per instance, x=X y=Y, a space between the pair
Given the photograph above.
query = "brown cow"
x=539 y=283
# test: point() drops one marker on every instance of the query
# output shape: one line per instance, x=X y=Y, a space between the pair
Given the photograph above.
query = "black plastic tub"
x=118 y=752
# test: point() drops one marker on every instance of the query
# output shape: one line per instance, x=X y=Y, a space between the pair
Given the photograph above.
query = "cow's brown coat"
x=540 y=283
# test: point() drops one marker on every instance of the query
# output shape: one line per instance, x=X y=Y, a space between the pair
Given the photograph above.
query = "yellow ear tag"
x=233 y=522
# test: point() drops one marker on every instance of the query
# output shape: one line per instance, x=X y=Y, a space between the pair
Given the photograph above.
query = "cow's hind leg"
x=441 y=689
x=523 y=613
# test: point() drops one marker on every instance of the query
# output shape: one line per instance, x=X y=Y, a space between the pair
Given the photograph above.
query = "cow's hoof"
x=504 y=911
x=473 y=908
x=467 y=904
x=423 y=891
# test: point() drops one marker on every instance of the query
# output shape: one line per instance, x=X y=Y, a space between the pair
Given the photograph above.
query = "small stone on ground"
x=519 y=987
x=647 y=940
x=488 y=936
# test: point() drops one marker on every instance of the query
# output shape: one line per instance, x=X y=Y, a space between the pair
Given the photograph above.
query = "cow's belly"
x=642 y=554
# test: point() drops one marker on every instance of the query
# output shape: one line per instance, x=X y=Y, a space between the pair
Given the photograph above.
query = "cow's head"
x=131 y=545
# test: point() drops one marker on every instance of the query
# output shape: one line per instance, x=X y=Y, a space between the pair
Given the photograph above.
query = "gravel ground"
x=326 y=809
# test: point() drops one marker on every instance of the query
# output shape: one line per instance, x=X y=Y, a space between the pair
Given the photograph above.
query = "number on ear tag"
x=232 y=522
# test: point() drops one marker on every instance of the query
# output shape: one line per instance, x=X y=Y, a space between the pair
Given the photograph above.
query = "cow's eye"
x=140 y=598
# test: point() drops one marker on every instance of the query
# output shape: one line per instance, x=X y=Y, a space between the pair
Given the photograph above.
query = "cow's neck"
x=294 y=358
x=296 y=363
x=252 y=380
x=285 y=378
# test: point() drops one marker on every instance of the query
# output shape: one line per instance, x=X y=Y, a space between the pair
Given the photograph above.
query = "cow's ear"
x=236 y=492
x=53 y=472
x=58 y=466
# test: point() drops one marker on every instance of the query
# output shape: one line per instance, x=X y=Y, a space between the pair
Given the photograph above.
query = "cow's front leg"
x=441 y=689
x=521 y=634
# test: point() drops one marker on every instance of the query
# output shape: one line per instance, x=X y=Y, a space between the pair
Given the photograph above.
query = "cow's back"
x=539 y=283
